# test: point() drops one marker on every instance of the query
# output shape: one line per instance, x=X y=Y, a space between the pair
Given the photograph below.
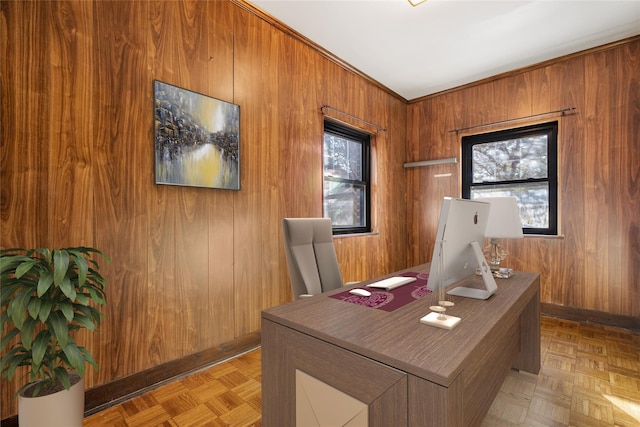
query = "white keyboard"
x=391 y=282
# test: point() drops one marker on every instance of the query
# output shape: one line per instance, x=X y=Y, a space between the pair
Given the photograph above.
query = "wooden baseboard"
x=106 y=395
x=590 y=316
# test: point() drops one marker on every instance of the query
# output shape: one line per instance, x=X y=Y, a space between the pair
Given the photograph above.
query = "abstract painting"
x=197 y=139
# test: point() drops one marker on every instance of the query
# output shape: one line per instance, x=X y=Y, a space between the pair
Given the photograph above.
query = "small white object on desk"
x=503 y=273
x=360 y=292
x=391 y=282
x=438 y=319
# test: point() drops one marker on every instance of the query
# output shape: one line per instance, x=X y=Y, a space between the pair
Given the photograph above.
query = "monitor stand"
x=487 y=277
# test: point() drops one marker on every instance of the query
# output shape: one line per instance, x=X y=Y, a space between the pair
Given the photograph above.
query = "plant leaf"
x=15 y=359
x=97 y=296
x=40 y=345
x=24 y=267
x=7 y=261
x=63 y=376
x=45 y=310
x=7 y=290
x=44 y=283
x=59 y=328
x=67 y=288
x=75 y=357
x=60 y=266
x=67 y=309
x=28 y=330
x=17 y=309
x=82 y=299
x=89 y=358
x=34 y=307
x=6 y=338
x=81 y=263
x=85 y=321
x=45 y=252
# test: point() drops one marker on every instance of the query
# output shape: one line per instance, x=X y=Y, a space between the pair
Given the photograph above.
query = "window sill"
x=371 y=233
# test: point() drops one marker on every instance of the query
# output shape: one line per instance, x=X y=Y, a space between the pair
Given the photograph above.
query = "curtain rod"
x=563 y=112
x=352 y=117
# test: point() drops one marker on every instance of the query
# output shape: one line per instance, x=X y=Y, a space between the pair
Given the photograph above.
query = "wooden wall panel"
x=23 y=166
x=567 y=90
x=191 y=267
x=28 y=102
x=70 y=124
x=590 y=266
x=122 y=101
x=629 y=115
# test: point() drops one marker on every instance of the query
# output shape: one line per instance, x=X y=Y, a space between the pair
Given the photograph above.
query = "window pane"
x=510 y=160
x=533 y=200
x=344 y=203
x=342 y=157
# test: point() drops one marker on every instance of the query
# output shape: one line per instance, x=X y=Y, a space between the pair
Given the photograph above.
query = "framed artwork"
x=196 y=139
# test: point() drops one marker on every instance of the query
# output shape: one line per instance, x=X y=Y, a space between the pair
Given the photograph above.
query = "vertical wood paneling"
x=70 y=125
x=599 y=103
x=271 y=288
x=567 y=90
x=123 y=102
x=188 y=58
x=625 y=137
x=220 y=204
x=630 y=121
x=23 y=167
x=25 y=68
x=162 y=309
x=589 y=266
x=251 y=38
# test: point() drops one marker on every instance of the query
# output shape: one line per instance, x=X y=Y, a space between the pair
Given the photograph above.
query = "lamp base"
x=495 y=253
x=434 y=319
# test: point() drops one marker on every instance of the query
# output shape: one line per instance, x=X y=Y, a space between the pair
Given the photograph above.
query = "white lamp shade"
x=504 y=218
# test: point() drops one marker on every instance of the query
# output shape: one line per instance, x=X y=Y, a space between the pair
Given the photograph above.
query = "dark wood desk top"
x=399 y=340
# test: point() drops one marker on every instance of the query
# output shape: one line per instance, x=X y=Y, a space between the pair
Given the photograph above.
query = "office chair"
x=311 y=256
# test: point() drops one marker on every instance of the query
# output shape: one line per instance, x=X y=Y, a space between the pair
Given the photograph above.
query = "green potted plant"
x=47 y=295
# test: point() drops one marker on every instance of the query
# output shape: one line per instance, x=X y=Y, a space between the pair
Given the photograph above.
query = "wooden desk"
x=405 y=373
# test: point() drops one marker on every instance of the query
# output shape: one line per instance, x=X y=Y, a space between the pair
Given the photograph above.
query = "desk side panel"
x=284 y=351
x=529 y=358
x=487 y=368
x=432 y=405
x=277 y=388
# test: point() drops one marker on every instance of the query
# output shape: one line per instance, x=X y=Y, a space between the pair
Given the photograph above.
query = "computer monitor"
x=461 y=227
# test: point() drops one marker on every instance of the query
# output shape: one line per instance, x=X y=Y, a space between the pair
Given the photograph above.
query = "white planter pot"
x=62 y=409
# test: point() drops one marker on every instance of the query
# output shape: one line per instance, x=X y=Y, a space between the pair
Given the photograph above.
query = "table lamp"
x=503 y=223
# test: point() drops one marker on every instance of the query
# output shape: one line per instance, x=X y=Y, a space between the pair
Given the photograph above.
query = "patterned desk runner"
x=393 y=299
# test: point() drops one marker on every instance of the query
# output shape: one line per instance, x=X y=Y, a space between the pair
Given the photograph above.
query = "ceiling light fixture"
x=416 y=2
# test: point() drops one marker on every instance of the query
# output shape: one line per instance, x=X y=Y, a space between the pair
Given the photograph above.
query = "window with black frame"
x=346 y=186
x=518 y=162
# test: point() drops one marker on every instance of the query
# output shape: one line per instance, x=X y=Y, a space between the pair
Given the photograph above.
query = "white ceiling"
x=441 y=44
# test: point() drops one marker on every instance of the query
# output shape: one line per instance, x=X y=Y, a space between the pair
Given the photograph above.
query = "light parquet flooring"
x=590 y=376
x=227 y=394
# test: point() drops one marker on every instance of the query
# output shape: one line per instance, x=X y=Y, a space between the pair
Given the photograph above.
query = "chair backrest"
x=311 y=256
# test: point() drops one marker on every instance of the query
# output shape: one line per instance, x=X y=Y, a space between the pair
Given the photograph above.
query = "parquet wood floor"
x=590 y=376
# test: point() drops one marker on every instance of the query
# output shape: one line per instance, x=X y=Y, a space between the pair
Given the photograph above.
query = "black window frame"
x=551 y=130
x=364 y=139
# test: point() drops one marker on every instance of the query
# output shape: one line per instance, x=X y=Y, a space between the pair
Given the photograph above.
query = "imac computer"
x=461 y=227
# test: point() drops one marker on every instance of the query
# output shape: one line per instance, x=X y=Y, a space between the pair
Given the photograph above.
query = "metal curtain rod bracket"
x=563 y=112
x=326 y=107
x=431 y=162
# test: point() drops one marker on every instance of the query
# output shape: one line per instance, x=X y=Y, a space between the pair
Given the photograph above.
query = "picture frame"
x=196 y=139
